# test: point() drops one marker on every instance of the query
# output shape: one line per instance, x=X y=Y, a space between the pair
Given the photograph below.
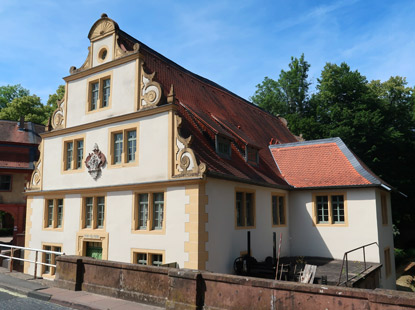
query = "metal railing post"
x=363 y=247
x=341 y=270
x=35 y=264
x=11 y=260
x=364 y=256
x=347 y=270
x=14 y=248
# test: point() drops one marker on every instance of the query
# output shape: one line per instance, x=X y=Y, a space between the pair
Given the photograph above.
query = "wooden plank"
x=308 y=274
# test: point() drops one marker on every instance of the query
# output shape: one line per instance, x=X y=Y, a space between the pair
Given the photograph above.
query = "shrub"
x=410 y=253
x=400 y=256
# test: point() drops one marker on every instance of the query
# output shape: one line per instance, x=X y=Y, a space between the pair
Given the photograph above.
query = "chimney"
x=21 y=123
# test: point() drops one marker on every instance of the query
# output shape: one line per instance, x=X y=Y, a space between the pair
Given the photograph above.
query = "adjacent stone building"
x=19 y=143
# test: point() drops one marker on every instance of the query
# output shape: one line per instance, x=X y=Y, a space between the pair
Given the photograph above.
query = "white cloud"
x=234 y=43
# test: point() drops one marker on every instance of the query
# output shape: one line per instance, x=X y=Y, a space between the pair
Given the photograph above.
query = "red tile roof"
x=208 y=109
x=321 y=163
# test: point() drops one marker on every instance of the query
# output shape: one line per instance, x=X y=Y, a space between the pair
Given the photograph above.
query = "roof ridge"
x=200 y=78
x=304 y=143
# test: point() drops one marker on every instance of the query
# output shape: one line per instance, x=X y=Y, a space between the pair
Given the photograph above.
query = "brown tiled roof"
x=209 y=109
x=321 y=163
x=18 y=148
x=14 y=157
x=9 y=132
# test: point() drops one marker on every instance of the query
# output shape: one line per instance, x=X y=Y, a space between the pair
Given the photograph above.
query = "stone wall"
x=193 y=289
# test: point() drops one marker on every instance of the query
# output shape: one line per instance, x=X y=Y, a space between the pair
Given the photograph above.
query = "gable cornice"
x=105 y=66
x=112 y=120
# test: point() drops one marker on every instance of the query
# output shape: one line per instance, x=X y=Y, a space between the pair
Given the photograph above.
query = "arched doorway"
x=6 y=227
x=14 y=217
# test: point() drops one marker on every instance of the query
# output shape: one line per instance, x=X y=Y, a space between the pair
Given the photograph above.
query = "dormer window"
x=223 y=147
x=99 y=93
x=251 y=155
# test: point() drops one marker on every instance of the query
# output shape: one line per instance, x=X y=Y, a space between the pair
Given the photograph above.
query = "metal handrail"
x=36 y=262
x=347 y=262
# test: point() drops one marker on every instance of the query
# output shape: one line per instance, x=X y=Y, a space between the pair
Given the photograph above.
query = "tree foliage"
x=54 y=98
x=16 y=101
x=345 y=107
x=28 y=106
x=287 y=95
x=375 y=119
x=9 y=92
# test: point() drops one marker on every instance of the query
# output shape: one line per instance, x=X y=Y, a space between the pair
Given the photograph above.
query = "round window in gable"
x=102 y=54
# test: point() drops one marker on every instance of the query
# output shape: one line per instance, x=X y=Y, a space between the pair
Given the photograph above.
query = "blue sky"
x=233 y=43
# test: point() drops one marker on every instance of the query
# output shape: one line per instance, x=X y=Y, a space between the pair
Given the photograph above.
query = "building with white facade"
x=146 y=162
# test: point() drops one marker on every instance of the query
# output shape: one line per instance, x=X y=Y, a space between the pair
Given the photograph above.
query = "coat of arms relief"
x=95 y=161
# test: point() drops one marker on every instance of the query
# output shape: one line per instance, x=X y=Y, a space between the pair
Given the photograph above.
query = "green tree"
x=270 y=97
x=376 y=120
x=295 y=85
x=346 y=107
x=52 y=103
x=10 y=92
x=28 y=106
x=289 y=94
x=289 y=98
x=396 y=147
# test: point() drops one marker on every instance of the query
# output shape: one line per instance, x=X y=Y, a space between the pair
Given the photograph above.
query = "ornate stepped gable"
x=203 y=101
x=102 y=28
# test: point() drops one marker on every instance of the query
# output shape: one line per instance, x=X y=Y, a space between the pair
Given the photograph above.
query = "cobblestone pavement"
x=14 y=301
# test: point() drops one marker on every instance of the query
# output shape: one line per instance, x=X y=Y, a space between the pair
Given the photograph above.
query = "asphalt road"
x=13 y=301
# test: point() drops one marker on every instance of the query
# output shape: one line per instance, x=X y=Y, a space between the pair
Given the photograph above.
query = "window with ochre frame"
x=50 y=258
x=73 y=154
x=53 y=213
x=330 y=209
x=149 y=211
x=99 y=92
x=93 y=212
x=148 y=257
x=124 y=146
x=244 y=208
x=278 y=207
